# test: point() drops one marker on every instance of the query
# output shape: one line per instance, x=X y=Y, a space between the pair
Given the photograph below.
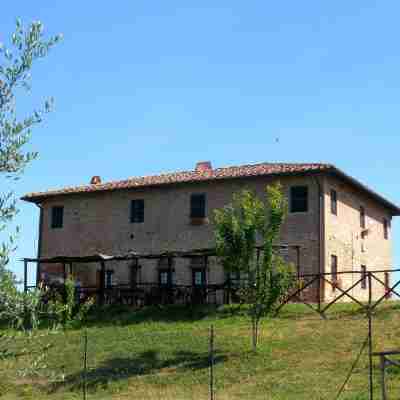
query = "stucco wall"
x=343 y=237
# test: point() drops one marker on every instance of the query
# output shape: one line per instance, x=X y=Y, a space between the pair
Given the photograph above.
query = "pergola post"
x=25 y=276
x=170 y=281
x=64 y=272
x=102 y=282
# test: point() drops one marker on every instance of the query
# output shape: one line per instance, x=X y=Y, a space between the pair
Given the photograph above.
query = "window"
x=299 y=199
x=166 y=277
x=385 y=228
x=137 y=211
x=199 y=277
x=363 y=277
x=362 y=217
x=333 y=202
x=198 y=206
x=57 y=217
x=166 y=271
x=109 y=278
x=334 y=268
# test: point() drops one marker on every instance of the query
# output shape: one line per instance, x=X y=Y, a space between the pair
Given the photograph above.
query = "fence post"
x=371 y=382
x=383 y=383
x=211 y=361
x=84 y=386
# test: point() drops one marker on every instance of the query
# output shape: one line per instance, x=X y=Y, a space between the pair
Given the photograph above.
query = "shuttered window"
x=57 y=217
x=137 y=211
x=299 y=199
x=198 y=205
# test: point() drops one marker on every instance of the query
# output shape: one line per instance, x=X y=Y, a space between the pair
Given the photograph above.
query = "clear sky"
x=148 y=86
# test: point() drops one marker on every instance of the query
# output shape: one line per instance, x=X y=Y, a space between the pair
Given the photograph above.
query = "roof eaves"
x=390 y=205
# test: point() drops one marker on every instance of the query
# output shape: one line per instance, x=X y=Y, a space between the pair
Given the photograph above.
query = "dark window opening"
x=137 y=211
x=299 y=199
x=199 y=277
x=166 y=277
x=363 y=277
x=57 y=217
x=109 y=279
x=362 y=218
x=198 y=206
x=334 y=268
x=385 y=229
x=334 y=202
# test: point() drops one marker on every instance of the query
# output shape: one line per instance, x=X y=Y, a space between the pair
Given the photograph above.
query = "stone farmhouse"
x=338 y=223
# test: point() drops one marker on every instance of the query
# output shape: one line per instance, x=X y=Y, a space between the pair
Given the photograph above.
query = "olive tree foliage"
x=26 y=46
x=240 y=227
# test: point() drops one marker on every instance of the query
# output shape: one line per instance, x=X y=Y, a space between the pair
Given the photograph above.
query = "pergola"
x=102 y=259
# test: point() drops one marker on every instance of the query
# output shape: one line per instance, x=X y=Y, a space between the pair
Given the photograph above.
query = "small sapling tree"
x=237 y=228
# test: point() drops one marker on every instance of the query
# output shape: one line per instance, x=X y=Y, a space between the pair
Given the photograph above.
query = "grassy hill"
x=163 y=354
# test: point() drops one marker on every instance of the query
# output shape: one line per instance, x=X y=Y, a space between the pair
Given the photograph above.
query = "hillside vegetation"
x=163 y=354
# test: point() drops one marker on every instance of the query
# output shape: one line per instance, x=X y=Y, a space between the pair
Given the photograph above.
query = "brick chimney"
x=203 y=166
x=96 y=180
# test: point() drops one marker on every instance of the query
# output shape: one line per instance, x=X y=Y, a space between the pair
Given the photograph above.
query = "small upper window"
x=198 y=206
x=362 y=217
x=137 y=211
x=299 y=199
x=334 y=202
x=57 y=217
x=385 y=228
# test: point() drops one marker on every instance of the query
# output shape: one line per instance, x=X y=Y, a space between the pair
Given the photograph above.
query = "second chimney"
x=95 y=180
x=203 y=166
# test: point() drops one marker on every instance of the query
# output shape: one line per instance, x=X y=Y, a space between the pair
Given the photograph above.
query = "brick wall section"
x=99 y=222
x=343 y=237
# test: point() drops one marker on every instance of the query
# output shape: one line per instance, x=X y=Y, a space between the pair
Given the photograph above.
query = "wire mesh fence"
x=297 y=358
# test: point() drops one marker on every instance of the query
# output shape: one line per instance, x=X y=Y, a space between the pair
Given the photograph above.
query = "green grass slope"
x=163 y=354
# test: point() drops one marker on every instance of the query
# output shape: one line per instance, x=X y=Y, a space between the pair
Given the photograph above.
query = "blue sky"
x=142 y=87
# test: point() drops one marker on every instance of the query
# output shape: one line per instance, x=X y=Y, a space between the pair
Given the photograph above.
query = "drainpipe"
x=39 y=249
x=321 y=224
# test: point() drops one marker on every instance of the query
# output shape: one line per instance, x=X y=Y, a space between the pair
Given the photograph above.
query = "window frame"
x=294 y=210
x=194 y=214
x=137 y=213
x=57 y=221
x=334 y=202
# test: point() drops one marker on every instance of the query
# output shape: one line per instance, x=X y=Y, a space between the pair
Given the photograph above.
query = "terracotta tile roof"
x=193 y=176
x=183 y=177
